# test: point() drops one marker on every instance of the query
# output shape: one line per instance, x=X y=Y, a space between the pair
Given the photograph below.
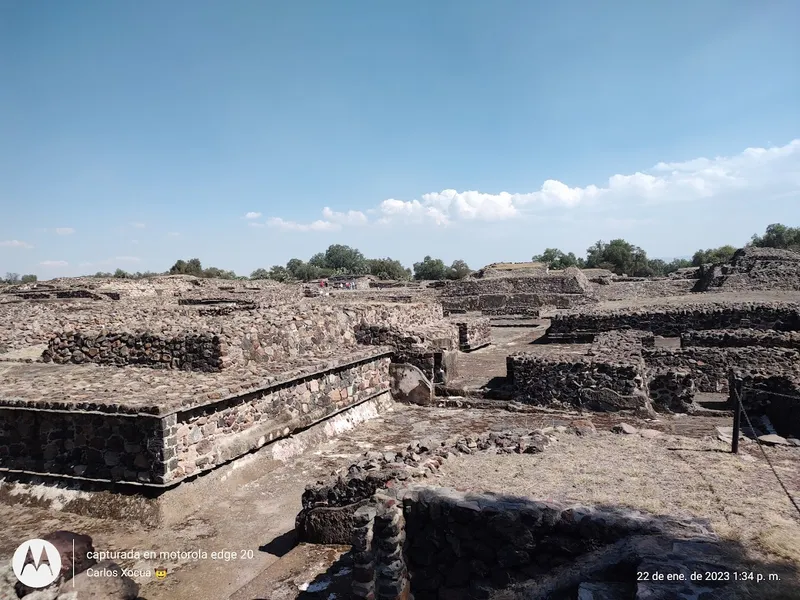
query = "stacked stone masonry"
x=263 y=335
x=518 y=295
x=671 y=321
x=737 y=338
x=753 y=269
x=473 y=334
x=468 y=546
x=166 y=438
x=570 y=381
x=775 y=395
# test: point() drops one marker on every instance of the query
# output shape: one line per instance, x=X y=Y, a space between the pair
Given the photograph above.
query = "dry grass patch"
x=667 y=475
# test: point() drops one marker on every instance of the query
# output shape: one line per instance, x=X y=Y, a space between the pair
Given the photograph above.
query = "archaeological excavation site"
x=521 y=433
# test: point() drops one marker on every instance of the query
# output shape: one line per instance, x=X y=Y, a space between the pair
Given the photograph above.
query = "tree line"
x=337 y=260
x=622 y=257
x=617 y=255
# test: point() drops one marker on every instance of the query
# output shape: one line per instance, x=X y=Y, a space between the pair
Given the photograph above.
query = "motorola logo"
x=36 y=563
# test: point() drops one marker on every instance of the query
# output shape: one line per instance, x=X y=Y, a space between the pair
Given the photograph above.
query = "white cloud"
x=64 y=230
x=252 y=215
x=54 y=263
x=758 y=172
x=279 y=223
x=351 y=217
x=137 y=224
x=15 y=244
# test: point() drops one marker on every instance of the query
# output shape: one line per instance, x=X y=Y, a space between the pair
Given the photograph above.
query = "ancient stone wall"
x=568 y=381
x=473 y=333
x=110 y=447
x=162 y=445
x=738 y=338
x=263 y=335
x=775 y=395
x=449 y=544
x=213 y=434
x=517 y=295
x=709 y=366
x=193 y=352
x=671 y=321
x=753 y=269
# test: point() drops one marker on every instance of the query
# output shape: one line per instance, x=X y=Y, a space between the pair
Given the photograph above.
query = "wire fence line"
x=740 y=407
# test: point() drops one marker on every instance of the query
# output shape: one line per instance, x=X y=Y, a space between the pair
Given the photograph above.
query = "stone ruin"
x=752 y=269
x=140 y=387
x=516 y=294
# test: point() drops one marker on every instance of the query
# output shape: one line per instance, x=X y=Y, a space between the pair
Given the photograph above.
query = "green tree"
x=778 y=236
x=722 y=254
x=557 y=259
x=345 y=260
x=120 y=274
x=430 y=269
x=12 y=278
x=675 y=264
x=387 y=268
x=294 y=266
x=318 y=260
x=179 y=268
x=458 y=270
x=259 y=274
x=619 y=256
x=278 y=273
x=29 y=278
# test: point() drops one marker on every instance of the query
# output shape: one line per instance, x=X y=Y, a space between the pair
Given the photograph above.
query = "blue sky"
x=134 y=134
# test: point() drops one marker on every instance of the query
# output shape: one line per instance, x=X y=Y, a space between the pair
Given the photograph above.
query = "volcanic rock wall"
x=569 y=381
x=753 y=269
x=518 y=295
x=739 y=338
x=671 y=321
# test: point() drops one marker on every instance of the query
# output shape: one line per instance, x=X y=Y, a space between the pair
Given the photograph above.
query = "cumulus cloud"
x=252 y=215
x=758 y=172
x=319 y=225
x=54 y=263
x=15 y=244
x=64 y=230
x=351 y=217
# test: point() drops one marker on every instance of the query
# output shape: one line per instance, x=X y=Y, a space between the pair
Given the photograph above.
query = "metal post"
x=736 y=393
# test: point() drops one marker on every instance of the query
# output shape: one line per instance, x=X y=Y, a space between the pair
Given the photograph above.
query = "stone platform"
x=154 y=428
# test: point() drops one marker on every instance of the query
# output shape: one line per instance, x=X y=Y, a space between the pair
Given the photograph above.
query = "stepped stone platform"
x=154 y=428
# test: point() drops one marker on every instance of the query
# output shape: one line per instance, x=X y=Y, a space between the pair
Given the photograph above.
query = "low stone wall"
x=264 y=334
x=213 y=434
x=473 y=334
x=438 y=543
x=709 y=366
x=164 y=446
x=579 y=381
x=775 y=395
x=738 y=338
x=512 y=304
x=671 y=391
x=198 y=352
x=671 y=321
x=78 y=444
